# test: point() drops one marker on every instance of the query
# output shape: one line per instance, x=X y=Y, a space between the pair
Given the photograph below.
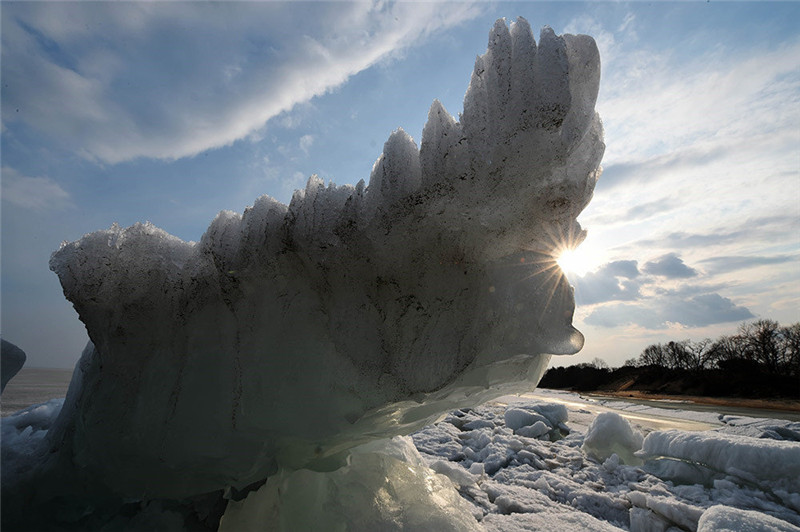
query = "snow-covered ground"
x=556 y=461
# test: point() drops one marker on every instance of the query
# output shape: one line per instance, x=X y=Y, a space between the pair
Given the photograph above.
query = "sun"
x=578 y=260
x=569 y=260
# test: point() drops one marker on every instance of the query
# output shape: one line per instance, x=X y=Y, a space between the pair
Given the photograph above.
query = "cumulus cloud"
x=670 y=266
x=620 y=294
x=614 y=281
x=115 y=82
x=704 y=309
x=35 y=193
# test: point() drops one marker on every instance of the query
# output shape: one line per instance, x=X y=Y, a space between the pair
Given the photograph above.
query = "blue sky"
x=170 y=112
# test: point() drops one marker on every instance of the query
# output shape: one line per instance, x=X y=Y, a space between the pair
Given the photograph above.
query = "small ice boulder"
x=537 y=430
x=727 y=519
x=611 y=433
x=12 y=358
x=534 y=420
x=516 y=418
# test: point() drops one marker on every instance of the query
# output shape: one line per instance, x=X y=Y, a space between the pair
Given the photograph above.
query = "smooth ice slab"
x=290 y=334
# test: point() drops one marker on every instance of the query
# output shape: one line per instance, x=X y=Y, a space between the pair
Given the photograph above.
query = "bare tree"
x=789 y=340
x=760 y=340
x=653 y=355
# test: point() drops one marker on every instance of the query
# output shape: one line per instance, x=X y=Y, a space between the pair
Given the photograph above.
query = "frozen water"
x=381 y=487
x=520 y=483
x=689 y=457
x=726 y=519
x=535 y=484
x=290 y=334
x=611 y=434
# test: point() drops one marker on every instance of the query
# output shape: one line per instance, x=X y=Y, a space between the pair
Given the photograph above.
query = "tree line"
x=763 y=345
x=761 y=360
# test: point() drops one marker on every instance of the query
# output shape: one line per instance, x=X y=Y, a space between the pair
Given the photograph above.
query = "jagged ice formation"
x=290 y=334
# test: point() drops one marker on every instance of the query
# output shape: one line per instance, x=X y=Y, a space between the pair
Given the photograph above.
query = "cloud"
x=635 y=213
x=624 y=314
x=305 y=143
x=727 y=264
x=764 y=230
x=35 y=193
x=614 y=281
x=670 y=266
x=696 y=311
x=646 y=169
x=115 y=82
x=704 y=309
x=652 y=111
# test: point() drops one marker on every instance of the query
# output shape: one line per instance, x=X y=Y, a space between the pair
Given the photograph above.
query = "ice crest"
x=290 y=334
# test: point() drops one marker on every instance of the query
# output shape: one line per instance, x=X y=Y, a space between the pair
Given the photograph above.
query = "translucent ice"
x=386 y=487
x=290 y=334
x=12 y=358
x=763 y=462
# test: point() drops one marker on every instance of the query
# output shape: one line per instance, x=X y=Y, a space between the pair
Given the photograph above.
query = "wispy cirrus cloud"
x=734 y=263
x=119 y=81
x=34 y=193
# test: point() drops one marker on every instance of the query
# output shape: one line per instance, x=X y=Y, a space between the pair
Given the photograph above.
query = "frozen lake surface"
x=34 y=385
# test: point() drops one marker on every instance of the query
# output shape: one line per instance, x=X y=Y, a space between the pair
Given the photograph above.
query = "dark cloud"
x=615 y=281
x=733 y=263
x=695 y=311
x=705 y=309
x=670 y=266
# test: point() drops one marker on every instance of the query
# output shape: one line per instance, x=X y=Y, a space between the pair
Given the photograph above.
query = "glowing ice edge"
x=289 y=335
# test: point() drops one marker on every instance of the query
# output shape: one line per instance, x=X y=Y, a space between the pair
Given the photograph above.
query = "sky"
x=171 y=112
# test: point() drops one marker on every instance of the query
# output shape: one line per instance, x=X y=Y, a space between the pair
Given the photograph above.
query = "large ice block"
x=290 y=334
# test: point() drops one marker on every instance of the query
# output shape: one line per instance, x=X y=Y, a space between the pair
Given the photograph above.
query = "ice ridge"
x=289 y=334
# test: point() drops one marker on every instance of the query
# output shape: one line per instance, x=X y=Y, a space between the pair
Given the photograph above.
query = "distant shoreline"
x=781 y=405
x=32 y=386
x=36 y=385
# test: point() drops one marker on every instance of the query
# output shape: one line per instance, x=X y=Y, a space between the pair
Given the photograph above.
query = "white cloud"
x=305 y=143
x=657 y=103
x=35 y=193
x=699 y=144
x=168 y=80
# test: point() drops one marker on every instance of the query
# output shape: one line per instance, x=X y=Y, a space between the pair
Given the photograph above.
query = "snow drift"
x=290 y=334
